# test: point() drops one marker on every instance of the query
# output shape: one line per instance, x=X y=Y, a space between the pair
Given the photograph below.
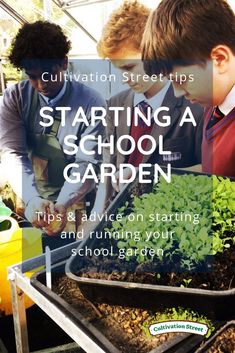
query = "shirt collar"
x=228 y=104
x=156 y=101
x=56 y=99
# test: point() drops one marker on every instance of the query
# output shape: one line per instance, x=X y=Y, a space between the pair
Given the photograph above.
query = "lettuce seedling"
x=198 y=210
x=223 y=201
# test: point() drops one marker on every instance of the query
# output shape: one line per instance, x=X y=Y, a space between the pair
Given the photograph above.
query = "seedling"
x=186 y=282
x=189 y=219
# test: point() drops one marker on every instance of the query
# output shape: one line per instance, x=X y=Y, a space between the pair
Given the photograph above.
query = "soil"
x=224 y=343
x=122 y=326
x=216 y=273
x=220 y=277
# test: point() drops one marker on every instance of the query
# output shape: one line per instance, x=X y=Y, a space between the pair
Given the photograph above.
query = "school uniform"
x=32 y=156
x=184 y=142
x=218 y=146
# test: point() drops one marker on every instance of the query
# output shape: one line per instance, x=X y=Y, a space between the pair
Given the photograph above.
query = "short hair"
x=125 y=26
x=184 y=32
x=38 y=43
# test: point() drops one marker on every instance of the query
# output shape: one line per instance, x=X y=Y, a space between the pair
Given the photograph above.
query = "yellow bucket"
x=16 y=245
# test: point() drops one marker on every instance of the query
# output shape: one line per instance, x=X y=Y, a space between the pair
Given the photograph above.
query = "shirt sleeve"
x=74 y=192
x=13 y=146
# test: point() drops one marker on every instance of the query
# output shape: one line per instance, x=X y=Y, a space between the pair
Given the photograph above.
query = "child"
x=32 y=156
x=195 y=39
x=120 y=42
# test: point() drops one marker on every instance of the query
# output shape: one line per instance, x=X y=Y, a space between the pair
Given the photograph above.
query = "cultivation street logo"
x=178 y=326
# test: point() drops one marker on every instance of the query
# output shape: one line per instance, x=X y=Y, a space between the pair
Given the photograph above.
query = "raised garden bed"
x=115 y=329
x=200 y=259
x=223 y=341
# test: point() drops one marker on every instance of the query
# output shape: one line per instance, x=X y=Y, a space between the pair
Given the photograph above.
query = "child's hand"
x=60 y=219
x=35 y=211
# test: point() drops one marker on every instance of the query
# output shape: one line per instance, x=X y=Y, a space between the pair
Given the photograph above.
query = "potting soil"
x=225 y=342
x=123 y=326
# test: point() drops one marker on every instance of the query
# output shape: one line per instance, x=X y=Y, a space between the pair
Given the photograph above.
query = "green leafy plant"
x=198 y=209
x=223 y=201
x=186 y=282
x=191 y=241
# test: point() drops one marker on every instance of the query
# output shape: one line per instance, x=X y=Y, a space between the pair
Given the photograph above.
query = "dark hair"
x=38 y=45
x=183 y=32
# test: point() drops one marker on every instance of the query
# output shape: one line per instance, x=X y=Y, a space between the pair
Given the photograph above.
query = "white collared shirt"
x=229 y=103
x=56 y=99
x=156 y=101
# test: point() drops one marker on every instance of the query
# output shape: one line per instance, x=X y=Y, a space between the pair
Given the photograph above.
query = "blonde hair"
x=125 y=26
